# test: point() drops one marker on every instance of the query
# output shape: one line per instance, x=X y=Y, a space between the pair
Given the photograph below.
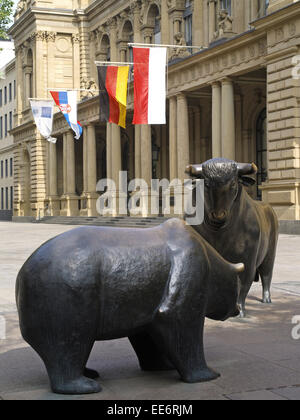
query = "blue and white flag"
x=67 y=103
x=42 y=111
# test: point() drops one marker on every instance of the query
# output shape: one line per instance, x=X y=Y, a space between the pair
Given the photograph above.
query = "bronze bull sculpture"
x=238 y=227
x=154 y=286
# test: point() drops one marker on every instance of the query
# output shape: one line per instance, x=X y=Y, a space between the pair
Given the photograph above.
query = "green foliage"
x=6 y=8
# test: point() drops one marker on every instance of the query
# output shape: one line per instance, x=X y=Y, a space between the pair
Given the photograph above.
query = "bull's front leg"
x=183 y=343
x=247 y=278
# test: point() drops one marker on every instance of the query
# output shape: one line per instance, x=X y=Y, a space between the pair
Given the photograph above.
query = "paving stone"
x=256 y=396
x=291 y=393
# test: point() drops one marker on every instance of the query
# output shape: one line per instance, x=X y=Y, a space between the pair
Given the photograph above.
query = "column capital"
x=227 y=80
x=215 y=83
x=181 y=96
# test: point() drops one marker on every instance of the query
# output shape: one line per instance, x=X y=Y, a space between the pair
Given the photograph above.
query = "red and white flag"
x=149 y=85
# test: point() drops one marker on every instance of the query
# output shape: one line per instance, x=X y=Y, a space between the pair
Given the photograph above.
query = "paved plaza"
x=257 y=357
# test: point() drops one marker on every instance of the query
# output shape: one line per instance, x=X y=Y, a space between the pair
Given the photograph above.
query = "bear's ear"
x=247 y=181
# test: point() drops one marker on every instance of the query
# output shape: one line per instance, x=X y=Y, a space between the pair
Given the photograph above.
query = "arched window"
x=154 y=21
x=261 y=151
x=188 y=22
x=104 y=49
x=127 y=36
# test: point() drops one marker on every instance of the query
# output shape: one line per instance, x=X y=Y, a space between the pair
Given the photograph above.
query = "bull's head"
x=223 y=181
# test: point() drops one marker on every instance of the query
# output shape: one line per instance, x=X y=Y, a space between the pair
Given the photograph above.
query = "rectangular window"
x=5 y=125
x=11 y=167
x=5 y=95
x=6 y=168
x=2 y=198
x=226 y=5
x=6 y=199
x=1 y=168
x=15 y=90
x=10 y=120
x=11 y=198
x=10 y=92
x=0 y=97
x=1 y=127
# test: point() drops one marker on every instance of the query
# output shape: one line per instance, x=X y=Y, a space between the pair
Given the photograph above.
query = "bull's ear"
x=247 y=181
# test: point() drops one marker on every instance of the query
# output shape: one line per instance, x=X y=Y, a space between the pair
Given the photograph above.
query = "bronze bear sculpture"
x=154 y=286
x=237 y=226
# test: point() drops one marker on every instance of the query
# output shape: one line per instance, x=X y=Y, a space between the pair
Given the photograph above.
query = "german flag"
x=113 y=81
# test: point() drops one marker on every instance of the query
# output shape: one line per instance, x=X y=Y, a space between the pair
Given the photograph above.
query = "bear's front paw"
x=201 y=375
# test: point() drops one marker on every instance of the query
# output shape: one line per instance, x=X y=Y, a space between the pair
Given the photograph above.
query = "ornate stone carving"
x=90 y=86
x=181 y=42
x=51 y=36
x=225 y=25
x=75 y=38
x=38 y=36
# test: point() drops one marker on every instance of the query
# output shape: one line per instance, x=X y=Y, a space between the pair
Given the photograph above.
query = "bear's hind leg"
x=67 y=372
x=151 y=358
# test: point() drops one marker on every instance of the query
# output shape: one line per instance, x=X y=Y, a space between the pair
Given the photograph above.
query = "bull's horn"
x=194 y=170
x=247 y=168
x=239 y=268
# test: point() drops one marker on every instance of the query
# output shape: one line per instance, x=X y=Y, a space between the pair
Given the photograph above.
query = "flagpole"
x=137 y=44
x=117 y=63
x=70 y=90
x=40 y=99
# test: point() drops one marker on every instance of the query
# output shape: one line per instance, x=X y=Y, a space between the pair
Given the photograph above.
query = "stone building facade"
x=237 y=96
x=7 y=110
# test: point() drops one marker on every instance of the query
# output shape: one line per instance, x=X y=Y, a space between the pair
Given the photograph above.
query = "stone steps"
x=104 y=221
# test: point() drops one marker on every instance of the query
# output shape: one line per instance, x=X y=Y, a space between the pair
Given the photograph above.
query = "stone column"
x=165 y=23
x=19 y=84
x=198 y=30
x=197 y=134
x=28 y=73
x=137 y=157
x=116 y=161
x=70 y=201
x=65 y=153
x=216 y=120
x=146 y=167
x=76 y=59
x=53 y=195
x=108 y=151
x=91 y=170
x=113 y=40
x=173 y=138
x=71 y=181
x=40 y=37
x=136 y=22
x=123 y=55
x=51 y=37
x=164 y=152
x=228 y=120
x=212 y=19
x=182 y=135
x=91 y=159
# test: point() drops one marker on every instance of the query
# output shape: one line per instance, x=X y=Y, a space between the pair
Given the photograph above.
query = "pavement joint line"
x=286 y=291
